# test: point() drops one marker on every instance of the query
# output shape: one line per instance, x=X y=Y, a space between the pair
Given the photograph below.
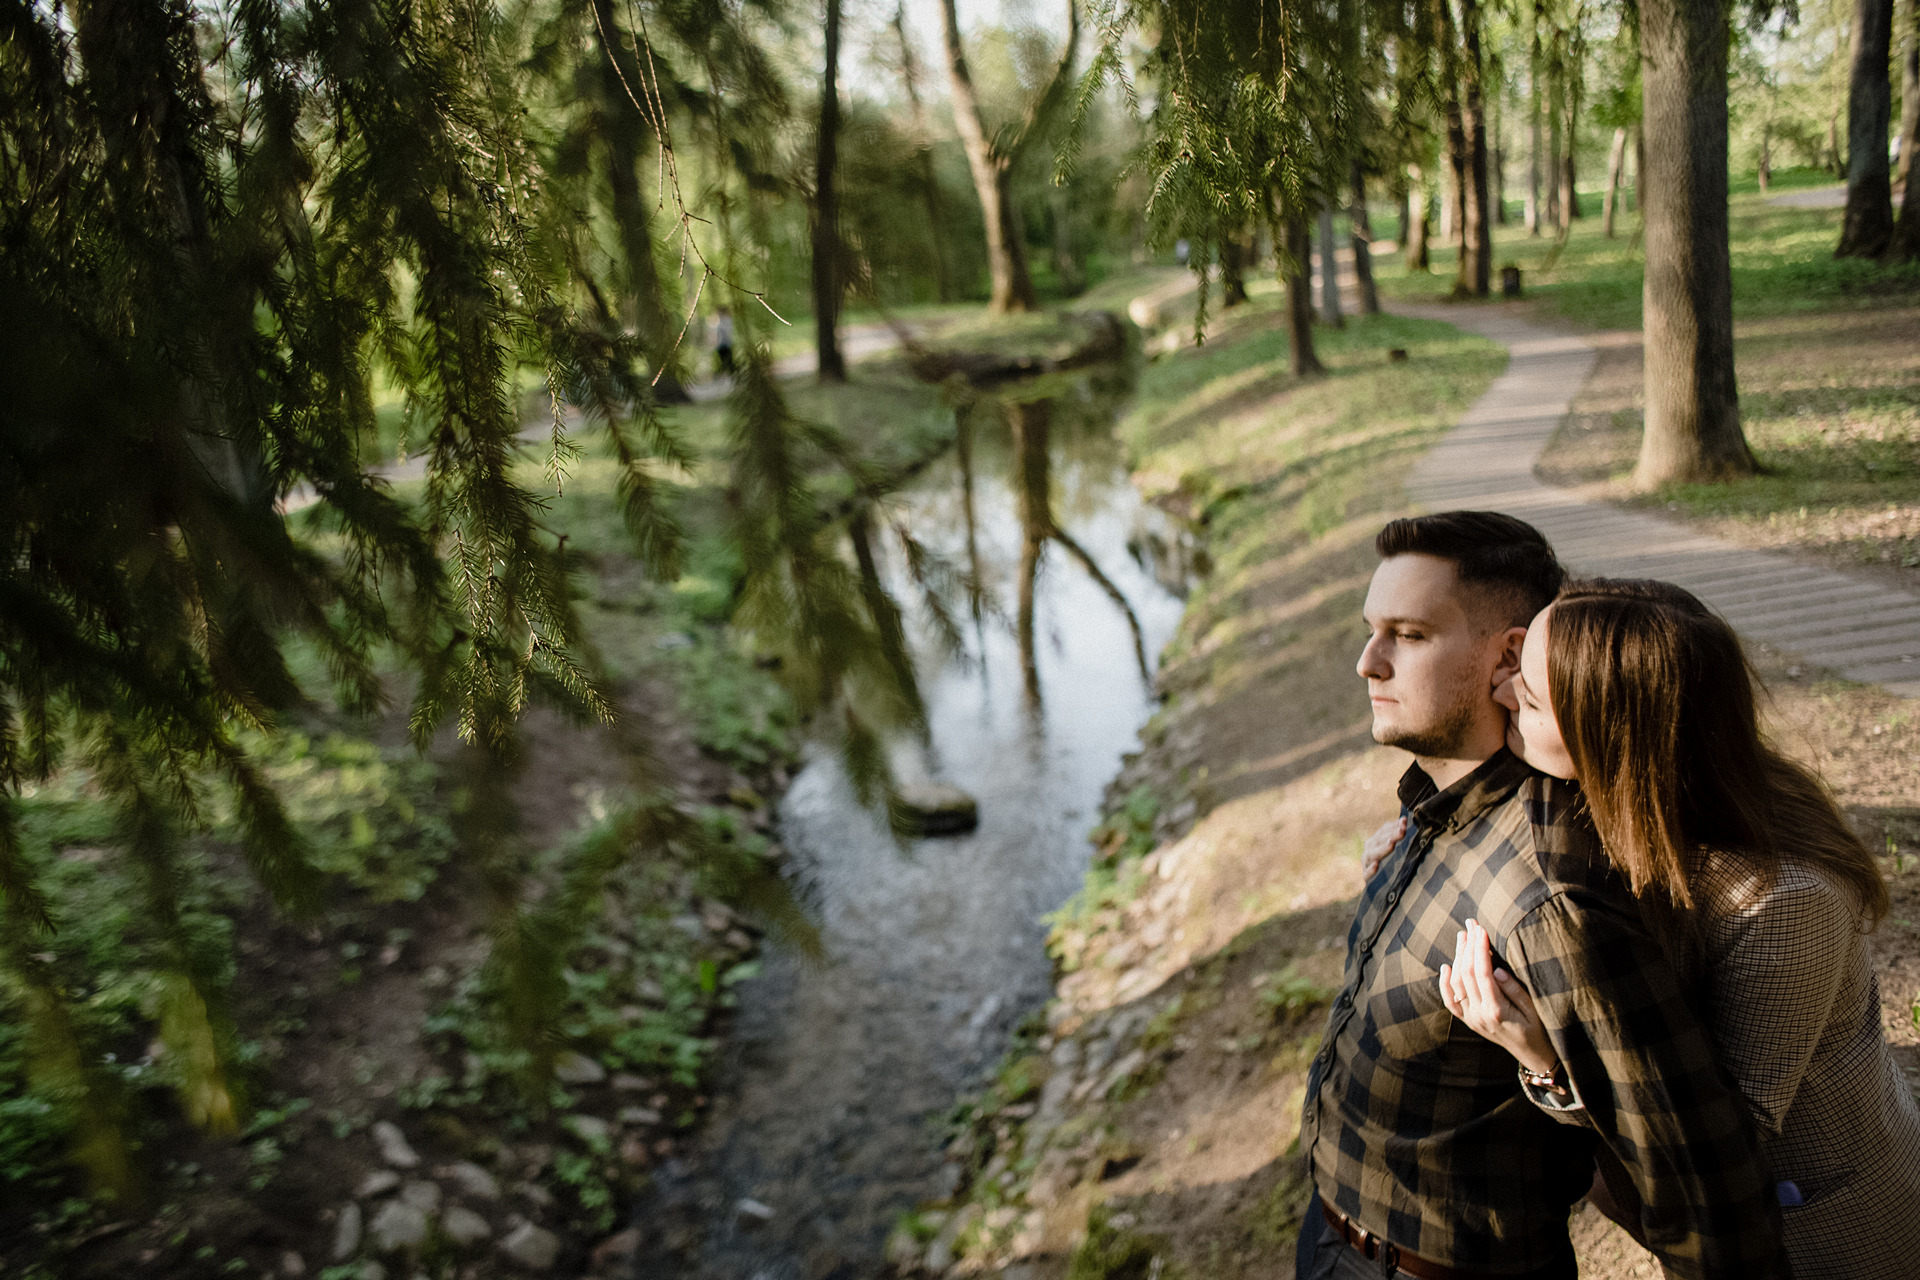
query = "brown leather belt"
x=1372 y=1247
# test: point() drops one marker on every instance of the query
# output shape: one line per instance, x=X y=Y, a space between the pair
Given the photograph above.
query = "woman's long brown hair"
x=1655 y=700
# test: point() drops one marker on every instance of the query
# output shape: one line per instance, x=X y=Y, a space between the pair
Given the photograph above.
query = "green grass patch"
x=1782 y=261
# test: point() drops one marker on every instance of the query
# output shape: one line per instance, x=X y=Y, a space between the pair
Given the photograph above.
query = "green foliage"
x=1111 y=1253
x=372 y=817
x=1127 y=832
x=1290 y=994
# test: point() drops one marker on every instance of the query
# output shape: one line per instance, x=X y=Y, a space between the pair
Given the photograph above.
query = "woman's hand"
x=1379 y=845
x=1493 y=1002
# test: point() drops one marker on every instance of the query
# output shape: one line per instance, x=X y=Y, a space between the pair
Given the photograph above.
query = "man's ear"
x=1507 y=666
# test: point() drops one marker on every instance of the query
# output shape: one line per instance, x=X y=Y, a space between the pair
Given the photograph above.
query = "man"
x=1428 y=1157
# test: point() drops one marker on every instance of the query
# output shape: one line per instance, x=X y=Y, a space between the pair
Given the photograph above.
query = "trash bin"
x=1510 y=282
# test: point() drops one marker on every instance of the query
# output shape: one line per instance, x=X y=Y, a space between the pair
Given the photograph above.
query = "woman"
x=1747 y=870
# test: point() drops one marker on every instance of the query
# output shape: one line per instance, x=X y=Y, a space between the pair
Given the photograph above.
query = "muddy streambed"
x=837 y=1073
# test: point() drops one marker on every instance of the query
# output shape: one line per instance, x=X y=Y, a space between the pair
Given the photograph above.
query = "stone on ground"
x=472 y=1180
x=347 y=1231
x=393 y=1146
x=463 y=1227
x=398 y=1226
x=377 y=1183
x=534 y=1248
x=577 y=1068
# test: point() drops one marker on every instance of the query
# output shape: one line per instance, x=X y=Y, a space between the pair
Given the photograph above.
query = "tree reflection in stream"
x=835 y=1073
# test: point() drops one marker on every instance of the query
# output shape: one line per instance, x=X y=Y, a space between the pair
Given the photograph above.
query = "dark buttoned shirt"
x=1418 y=1128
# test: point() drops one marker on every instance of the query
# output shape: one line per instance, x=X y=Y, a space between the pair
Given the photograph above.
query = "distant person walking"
x=723 y=341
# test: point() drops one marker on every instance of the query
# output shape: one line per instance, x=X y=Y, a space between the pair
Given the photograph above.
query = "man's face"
x=1430 y=665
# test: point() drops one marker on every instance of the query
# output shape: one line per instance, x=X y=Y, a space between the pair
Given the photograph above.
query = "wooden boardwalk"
x=1857 y=629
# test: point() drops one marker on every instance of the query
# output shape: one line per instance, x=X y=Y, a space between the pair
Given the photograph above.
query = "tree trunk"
x=1909 y=88
x=1835 y=165
x=1362 y=227
x=1299 y=256
x=1616 y=160
x=1233 y=271
x=827 y=275
x=1499 y=133
x=1416 y=237
x=1476 y=242
x=1639 y=168
x=1534 y=135
x=1904 y=244
x=1329 y=272
x=1006 y=256
x=1556 y=218
x=929 y=180
x=1765 y=173
x=1693 y=409
x=1868 y=222
x=1569 y=178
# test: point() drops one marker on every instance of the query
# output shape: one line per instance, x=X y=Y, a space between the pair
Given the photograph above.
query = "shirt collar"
x=1433 y=808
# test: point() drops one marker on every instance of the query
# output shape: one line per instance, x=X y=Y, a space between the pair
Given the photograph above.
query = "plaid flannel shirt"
x=1418 y=1129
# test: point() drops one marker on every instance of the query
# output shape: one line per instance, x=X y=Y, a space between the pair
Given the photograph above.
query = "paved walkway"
x=1859 y=629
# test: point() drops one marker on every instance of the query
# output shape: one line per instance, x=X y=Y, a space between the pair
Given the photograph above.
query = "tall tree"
x=1329 y=272
x=1476 y=245
x=828 y=276
x=993 y=156
x=1418 y=200
x=1297 y=266
x=1536 y=65
x=1904 y=244
x=1693 y=410
x=1867 y=223
x=1361 y=226
x=1575 y=80
x=1616 y=161
x=1909 y=46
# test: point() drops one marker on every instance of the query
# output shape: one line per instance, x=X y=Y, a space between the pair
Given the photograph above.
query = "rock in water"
x=532 y=1247
x=935 y=809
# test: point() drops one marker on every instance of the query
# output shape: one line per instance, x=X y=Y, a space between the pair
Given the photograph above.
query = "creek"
x=837 y=1072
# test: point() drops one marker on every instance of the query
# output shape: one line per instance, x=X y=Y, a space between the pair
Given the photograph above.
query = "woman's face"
x=1533 y=734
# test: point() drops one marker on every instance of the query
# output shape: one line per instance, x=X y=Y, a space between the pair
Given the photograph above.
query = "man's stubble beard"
x=1445 y=740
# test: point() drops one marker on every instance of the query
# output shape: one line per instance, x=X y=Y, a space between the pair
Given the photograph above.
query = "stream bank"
x=837 y=1071
x=1148 y=1128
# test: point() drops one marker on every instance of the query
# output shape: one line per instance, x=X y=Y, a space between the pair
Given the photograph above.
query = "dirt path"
x=1861 y=630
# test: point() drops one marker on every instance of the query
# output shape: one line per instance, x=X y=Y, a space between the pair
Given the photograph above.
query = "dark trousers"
x=1323 y=1255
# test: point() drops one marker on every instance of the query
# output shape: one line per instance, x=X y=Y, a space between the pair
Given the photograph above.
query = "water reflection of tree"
x=1032 y=426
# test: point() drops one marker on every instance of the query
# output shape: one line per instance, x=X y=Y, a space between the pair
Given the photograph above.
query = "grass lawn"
x=1828 y=354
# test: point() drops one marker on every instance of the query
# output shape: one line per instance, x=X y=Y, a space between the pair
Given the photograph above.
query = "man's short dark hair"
x=1508 y=559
